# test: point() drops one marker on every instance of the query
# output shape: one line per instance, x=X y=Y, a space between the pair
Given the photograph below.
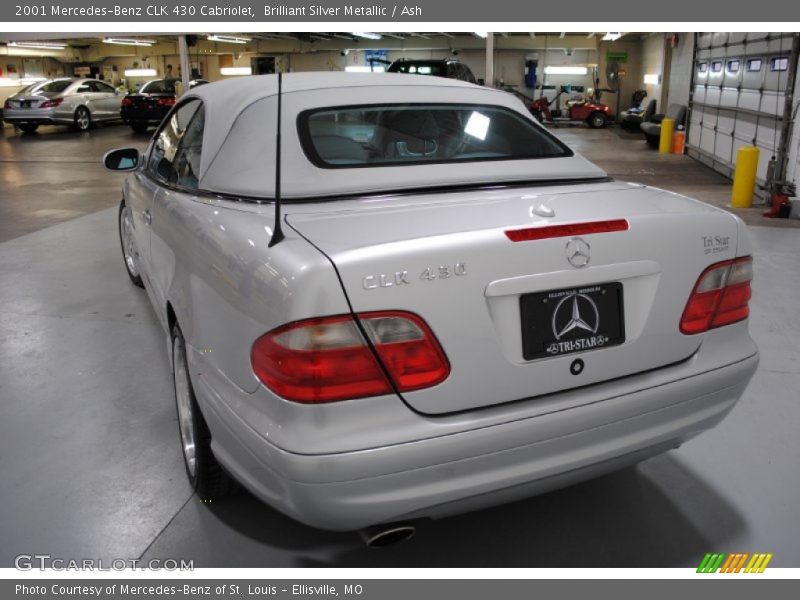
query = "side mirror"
x=122 y=159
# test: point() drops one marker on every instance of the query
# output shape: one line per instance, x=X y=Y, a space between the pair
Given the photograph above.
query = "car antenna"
x=277 y=232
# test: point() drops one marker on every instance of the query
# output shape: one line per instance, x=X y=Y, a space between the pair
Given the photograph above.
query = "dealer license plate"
x=572 y=320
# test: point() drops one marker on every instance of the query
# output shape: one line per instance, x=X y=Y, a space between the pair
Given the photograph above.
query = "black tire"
x=28 y=127
x=129 y=252
x=206 y=475
x=537 y=114
x=653 y=141
x=597 y=120
x=139 y=127
x=82 y=119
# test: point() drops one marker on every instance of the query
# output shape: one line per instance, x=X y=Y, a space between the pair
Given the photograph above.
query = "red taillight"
x=328 y=359
x=553 y=231
x=126 y=102
x=51 y=103
x=407 y=348
x=165 y=101
x=720 y=296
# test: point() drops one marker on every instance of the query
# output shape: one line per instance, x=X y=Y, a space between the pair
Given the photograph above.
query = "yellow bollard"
x=745 y=177
x=665 y=141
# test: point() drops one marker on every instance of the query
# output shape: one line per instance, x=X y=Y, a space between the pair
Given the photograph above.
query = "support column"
x=489 y=78
x=183 y=51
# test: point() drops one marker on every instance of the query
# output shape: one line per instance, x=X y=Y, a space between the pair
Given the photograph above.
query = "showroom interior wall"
x=632 y=68
x=653 y=64
x=511 y=54
x=681 y=68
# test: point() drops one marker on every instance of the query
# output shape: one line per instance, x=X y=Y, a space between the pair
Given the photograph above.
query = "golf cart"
x=575 y=111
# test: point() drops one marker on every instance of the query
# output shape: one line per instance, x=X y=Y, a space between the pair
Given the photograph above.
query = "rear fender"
x=228 y=288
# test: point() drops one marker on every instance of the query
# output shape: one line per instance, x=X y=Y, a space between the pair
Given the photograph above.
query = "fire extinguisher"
x=678 y=140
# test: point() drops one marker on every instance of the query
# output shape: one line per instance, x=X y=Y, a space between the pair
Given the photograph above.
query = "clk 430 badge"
x=398 y=278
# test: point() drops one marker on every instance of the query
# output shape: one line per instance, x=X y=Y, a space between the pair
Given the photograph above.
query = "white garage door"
x=738 y=97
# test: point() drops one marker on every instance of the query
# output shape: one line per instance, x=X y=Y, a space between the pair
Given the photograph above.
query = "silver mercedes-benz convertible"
x=389 y=298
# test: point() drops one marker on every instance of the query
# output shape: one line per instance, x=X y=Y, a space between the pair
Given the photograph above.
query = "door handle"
x=148 y=218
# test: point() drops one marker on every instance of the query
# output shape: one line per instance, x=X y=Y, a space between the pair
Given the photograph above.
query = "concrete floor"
x=90 y=463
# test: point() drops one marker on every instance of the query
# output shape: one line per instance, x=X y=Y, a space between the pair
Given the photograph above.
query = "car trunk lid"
x=31 y=100
x=148 y=100
x=448 y=258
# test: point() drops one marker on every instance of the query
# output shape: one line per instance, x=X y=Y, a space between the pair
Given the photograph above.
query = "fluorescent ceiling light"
x=477 y=125
x=128 y=42
x=25 y=81
x=368 y=35
x=482 y=34
x=140 y=72
x=612 y=36
x=236 y=71
x=39 y=45
x=365 y=69
x=230 y=39
x=652 y=78
x=561 y=70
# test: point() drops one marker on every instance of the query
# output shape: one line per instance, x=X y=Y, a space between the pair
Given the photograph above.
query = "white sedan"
x=389 y=298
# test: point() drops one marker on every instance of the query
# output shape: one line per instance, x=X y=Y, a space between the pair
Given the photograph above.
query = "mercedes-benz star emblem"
x=582 y=313
x=577 y=251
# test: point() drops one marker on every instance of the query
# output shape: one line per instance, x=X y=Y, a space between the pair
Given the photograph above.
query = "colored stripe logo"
x=740 y=562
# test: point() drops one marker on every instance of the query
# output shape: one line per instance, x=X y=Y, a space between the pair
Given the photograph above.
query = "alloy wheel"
x=183 y=396
x=128 y=245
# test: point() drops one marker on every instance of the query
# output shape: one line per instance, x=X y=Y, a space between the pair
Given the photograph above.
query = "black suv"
x=445 y=67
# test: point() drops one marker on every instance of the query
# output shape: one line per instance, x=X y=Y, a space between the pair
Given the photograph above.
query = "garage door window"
x=374 y=136
x=753 y=65
x=780 y=63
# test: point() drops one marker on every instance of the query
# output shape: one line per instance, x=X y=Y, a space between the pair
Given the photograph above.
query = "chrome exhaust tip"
x=387 y=534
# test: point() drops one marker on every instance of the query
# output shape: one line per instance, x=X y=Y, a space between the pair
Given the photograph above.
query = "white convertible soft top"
x=238 y=154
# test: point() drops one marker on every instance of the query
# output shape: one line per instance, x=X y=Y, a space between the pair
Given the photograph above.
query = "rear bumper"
x=149 y=116
x=480 y=467
x=40 y=116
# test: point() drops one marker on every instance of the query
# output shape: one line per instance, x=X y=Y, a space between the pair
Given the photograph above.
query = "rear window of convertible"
x=385 y=135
